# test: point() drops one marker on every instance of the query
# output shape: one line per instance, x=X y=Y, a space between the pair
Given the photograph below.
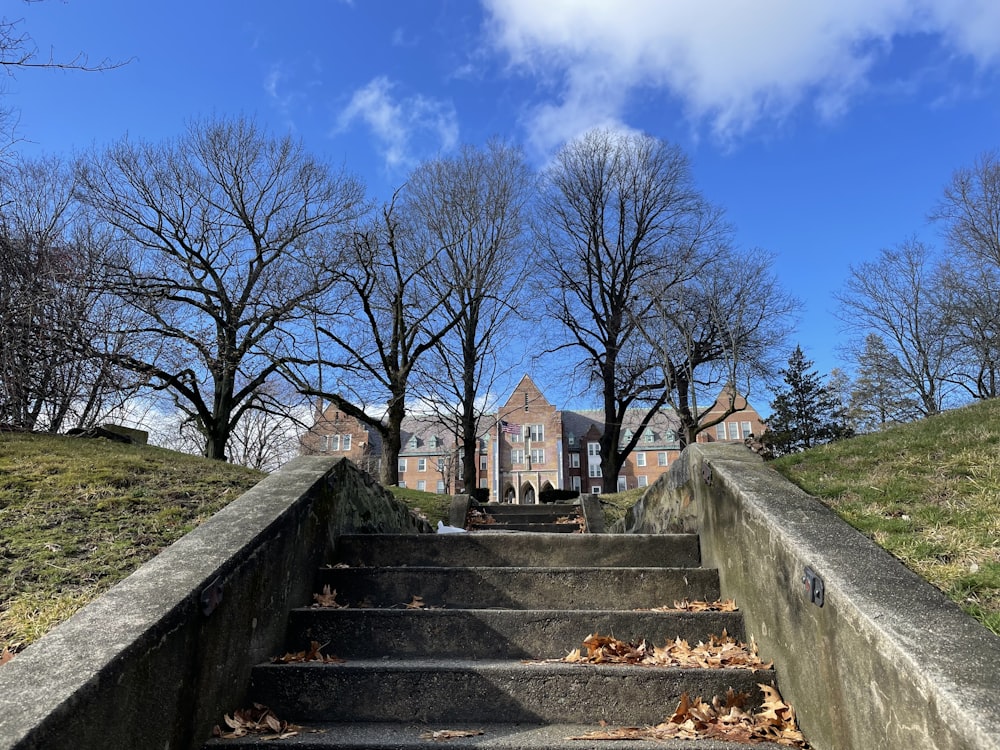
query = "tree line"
x=244 y=278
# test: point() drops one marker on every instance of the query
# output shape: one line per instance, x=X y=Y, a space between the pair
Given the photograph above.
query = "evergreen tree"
x=806 y=413
x=880 y=396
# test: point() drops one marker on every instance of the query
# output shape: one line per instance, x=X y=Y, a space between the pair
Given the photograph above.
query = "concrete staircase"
x=552 y=518
x=464 y=655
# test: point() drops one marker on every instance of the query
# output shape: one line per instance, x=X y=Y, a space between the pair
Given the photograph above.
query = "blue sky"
x=826 y=130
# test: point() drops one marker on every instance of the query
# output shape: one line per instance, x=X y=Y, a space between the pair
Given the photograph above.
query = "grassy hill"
x=928 y=492
x=78 y=515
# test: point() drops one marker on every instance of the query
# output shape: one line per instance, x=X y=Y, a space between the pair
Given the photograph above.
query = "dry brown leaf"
x=728 y=605
x=258 y=720
x=722 y=719
x=416 y=603
x=6 y=655
x=314 y=653
x=721 y=652
x=440 y=735
x=328 y=599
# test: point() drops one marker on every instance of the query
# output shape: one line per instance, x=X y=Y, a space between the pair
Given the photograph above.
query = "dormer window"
x=649 y=436
x=414 y=442
x=434 y=441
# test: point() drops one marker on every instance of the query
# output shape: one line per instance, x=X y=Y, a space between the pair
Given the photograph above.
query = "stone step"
x=521 y=588
x=535 y=527
x=513 y=736
x=452 y=690
x=531 y=550
x=492 y=633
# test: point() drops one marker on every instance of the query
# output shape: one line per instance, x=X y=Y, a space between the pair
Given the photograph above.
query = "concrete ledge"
x=886 y=662
x=157 y=660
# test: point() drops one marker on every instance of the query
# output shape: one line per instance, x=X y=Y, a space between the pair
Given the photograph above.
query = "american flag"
x=510 y=429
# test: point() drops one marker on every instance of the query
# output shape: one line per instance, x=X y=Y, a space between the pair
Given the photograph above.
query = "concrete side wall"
x=158 y=660
x=886 y=662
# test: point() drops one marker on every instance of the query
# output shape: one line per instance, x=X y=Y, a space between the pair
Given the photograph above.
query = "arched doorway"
x=509 y=495
x=528 y=494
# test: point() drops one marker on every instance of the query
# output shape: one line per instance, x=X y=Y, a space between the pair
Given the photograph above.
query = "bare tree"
x=227 y=237
x=472 y=206
x=618 y=211
x=897 y=297
x=721 y=331
x=969 y=209
x=390 y=314
x=52 y=306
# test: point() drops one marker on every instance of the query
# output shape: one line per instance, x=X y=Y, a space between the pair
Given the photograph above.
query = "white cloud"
x=730 y=65
x=402 y=126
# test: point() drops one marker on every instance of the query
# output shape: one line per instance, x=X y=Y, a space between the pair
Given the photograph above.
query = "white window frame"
x=334 y=441
x=576 y=483
x=421 y=485
x=537 y=456
x=440 y=487
x=574 y=460
x=595 y=489
x=536 y=432
x=747 y=429
x=594 y=470
x=661 y=458
x=421 y=464
x=345 y=442
x=483 y=463
x=720 y=431
x=516 y=456
x=640 y=459
x=642 y=481
x=401 y=466
x=734 y=430
x=440 y=464
x=622 y=484
x=649 y=436
x=484 y=482
x=593 y=449
x=401 y=483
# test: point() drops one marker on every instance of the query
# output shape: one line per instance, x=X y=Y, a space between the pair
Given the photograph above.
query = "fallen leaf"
x=416 y=603
x=314 y=653
x=6 y=655
x=258 y=720
x=450 y=734
x=328 y=599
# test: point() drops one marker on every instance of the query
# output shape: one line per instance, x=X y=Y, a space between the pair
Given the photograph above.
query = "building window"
x=574 y=460
x=435 y=442
x=484 y=482
x=440 y=464
x=402 y=466
x=661 y=458
x=346 y=442
x=334 y=441
x=517 y=456
x=576 y=483
x=440 y=487
x=421 y=464
x=642 y=481
x=734 y=431
x=720 y=431
x=483 y=463
x=421 y=485
x=536 y=432
x=593 y=449
x=518 y=435
x=640 y=459
x=747 y=432
x=414 y=442
x=401 y=483
x=622 y=484
x=537 y=455
x=594 y=470
x=649 y=436
x=571 y=439
x=595 y=489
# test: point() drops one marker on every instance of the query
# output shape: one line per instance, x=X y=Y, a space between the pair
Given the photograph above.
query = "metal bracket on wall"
x=814 y=587
x=211 y=597
x=706 y=473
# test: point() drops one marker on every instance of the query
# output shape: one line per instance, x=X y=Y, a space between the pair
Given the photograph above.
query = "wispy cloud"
x=728 y=65
x=405 y=128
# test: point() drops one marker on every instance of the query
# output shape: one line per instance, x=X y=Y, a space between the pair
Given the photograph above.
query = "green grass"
x=78 y=515
x=435 y=507
x=928 y=492
x=615 y=505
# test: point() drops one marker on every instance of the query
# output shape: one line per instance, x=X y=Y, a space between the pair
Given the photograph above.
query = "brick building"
x=528 y=447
